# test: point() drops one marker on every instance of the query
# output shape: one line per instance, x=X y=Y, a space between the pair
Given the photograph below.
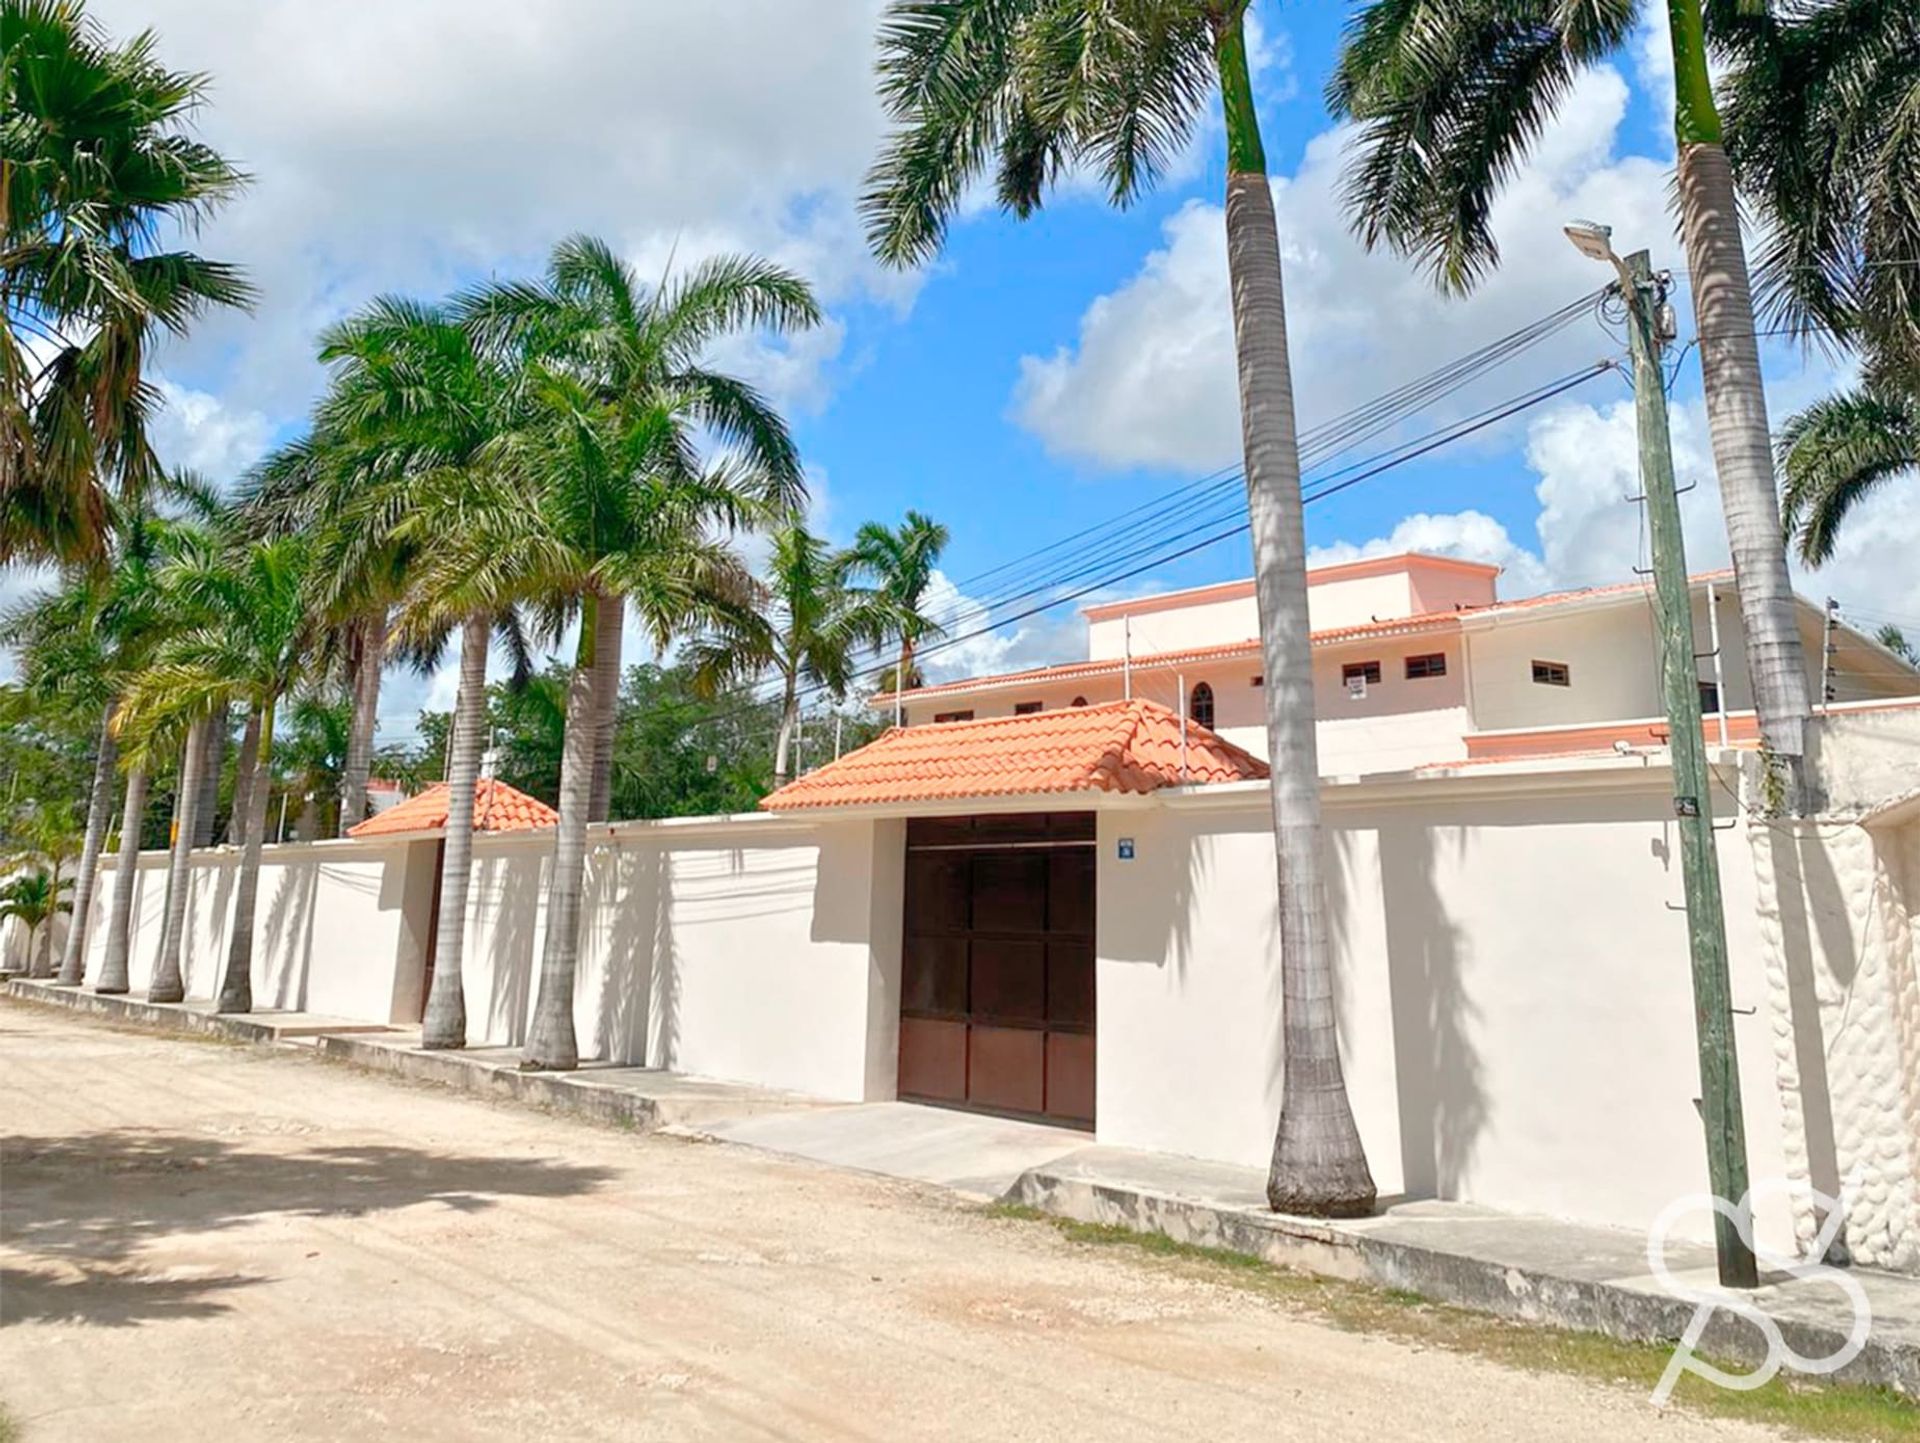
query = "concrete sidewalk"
x=1533 y=1269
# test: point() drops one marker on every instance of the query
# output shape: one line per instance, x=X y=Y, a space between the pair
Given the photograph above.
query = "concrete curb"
x=163 y=1017
x=561 y=1092
x=1522 y=1294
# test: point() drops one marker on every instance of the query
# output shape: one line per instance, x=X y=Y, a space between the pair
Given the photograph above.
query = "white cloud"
x=198 y=432
x=419 y=144
x=1150 y=378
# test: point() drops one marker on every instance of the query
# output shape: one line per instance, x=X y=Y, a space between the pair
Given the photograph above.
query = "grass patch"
x=1802 y=1407
x=9 y=1430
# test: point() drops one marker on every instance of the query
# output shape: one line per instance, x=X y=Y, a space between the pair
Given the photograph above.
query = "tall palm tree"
x=589 y=505
x=804 y=626
x=33 y=899
x=415 y=423
x=97 y=164
x=251 y=649
x=639 y=351
x=1034 y=89
x=1450 y=97
x=898 y=563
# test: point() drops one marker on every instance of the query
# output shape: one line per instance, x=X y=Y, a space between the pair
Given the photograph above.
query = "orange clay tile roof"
x=1121 y=746
x=497 y=807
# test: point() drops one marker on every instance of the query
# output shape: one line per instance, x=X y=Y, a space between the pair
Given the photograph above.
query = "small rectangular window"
x=1367 y=671
x=1552 y=673
x=1421 y=667
x=947 y=716
x=1026 y=708
x=1709 y=698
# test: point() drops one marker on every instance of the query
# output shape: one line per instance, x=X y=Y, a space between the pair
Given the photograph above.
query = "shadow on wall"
x=1437 y=1073
x=511 y=908
x=622 y=907
x=1813 y=924
x=80 y=1209
x=663 y=990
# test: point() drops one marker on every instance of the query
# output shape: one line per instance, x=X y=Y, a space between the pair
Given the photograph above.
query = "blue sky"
x=1038 y=377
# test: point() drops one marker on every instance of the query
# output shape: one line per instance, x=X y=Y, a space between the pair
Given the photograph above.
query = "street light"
x=1595 y=241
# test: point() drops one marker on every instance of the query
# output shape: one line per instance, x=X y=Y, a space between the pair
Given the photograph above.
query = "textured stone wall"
x=1835 y=897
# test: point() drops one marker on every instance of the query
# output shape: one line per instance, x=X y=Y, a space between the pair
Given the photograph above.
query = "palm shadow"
x=81 y=1209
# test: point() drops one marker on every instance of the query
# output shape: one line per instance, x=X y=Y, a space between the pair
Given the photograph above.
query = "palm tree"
x=1449 y=98
x=1036 y=89
x=899 y=565
x=252 y=649
x=1839 y=451
x=416 y=419
x=638 y=351
x=804 y=625
x=96 y=165
x=1819 y=103
x=34 y=900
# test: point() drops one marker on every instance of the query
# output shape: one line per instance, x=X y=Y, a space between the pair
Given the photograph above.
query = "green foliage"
x=1839 y=451
x=1031 y=90
x=33 y=898
x=1895 y=641
x=100 y=170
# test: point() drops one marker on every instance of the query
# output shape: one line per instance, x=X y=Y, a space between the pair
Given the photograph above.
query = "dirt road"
x=202 y=1241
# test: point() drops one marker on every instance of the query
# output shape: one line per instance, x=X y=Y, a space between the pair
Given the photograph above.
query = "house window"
x=1367 y=671
x=1709 y=698
x=1259 y=680
x=1421 y=667
x=1200 y=705
x=947 y=716
x=1079 y=701
x=1026 y=708
x=1552 y=673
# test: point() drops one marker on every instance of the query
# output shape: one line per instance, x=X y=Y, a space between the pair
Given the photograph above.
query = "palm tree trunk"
x=73 y=961
x=606 y=702
x=1737 y=410
x=208 y=807
x=550 y=1040
x=243 y=782
x=168 y=985
x=445 y=1023
x=358 y=764
x=1318 y=1166
x=236 y=987
x=783 y=740
x=113 y=966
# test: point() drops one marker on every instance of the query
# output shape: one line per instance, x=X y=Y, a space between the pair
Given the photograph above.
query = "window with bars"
x=1200 y=705
x=1419 y=668
x=1552 y=673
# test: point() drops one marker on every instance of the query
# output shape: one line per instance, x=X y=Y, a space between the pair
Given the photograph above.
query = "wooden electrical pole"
x=1692 y=800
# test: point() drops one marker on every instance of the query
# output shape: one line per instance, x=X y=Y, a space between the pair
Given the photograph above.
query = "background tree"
x=33 y=900
x=1037 y=89
x=1839 y=451
x=1449 y=98
x=898 y=565
x=98 y=164
x=803 y=625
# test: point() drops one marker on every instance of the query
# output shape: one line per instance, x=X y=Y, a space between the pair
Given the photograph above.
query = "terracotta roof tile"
x=497 y=807
x=1122 y=746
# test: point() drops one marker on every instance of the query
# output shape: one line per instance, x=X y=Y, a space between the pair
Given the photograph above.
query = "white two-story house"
x=1419 y=663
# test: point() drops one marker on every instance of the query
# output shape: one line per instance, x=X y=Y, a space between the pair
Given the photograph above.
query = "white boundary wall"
x=1514 y=996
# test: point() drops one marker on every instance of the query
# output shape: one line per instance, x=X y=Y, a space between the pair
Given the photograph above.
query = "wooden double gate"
x=996 y=1002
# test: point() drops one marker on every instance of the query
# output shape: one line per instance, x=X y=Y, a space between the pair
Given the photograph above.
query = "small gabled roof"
x=1122 y=746
x=497 y=807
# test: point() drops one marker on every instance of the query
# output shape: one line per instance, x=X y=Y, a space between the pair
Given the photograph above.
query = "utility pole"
x=1645 y=295
x=1826 y=655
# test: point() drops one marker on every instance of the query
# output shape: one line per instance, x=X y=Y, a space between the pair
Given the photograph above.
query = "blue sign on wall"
x=1126 y=849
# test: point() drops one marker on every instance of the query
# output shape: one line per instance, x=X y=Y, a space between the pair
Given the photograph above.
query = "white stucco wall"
x=328 y=925
x=1515 y=1012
